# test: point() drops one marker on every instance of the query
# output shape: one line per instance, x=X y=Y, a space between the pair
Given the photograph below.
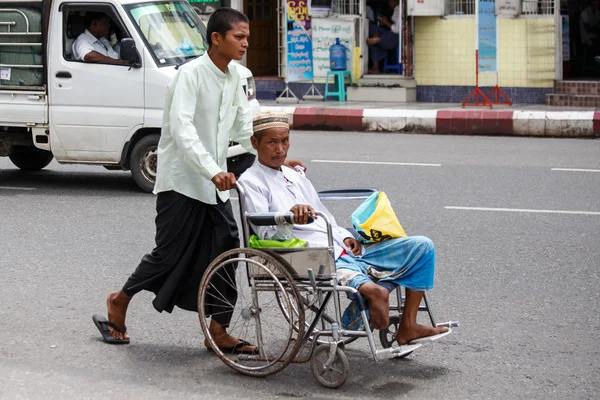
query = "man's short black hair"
x=259 y=135
x=92 y=16
x=222 y=21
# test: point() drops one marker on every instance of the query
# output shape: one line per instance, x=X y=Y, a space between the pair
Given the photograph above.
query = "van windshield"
x=172 y=30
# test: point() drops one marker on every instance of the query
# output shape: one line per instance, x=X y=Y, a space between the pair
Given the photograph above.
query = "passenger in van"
x=92 y=45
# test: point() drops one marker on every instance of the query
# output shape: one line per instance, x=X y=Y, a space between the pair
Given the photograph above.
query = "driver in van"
x=92 y=45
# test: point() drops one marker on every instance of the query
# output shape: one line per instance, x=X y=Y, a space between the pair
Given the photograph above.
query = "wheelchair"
x=289 y=304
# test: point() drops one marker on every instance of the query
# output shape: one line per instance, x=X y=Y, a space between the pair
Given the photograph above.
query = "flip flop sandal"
x=237 y=349
x=103 y=324
x=430 y=338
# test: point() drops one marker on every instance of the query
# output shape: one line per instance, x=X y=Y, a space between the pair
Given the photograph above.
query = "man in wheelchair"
x=374 y=270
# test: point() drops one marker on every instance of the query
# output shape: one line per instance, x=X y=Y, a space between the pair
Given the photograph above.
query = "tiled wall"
x=457 y=94
x=445 y=52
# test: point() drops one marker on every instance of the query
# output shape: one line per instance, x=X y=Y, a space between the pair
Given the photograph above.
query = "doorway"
x=262 y=53
x=579 y=60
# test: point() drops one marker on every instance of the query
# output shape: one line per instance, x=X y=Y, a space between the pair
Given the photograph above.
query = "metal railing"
x=537 y=7
x=461 y=7
x=346 y=7
x=27 y=32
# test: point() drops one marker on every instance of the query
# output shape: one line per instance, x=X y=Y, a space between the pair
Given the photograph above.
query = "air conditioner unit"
x=426 y=8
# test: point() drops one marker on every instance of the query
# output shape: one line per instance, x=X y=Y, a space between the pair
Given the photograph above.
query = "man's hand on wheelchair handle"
x=353 y=245
x=301 y=213
x=224 y=181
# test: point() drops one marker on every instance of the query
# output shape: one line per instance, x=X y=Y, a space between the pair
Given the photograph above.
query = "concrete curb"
x=453 y=122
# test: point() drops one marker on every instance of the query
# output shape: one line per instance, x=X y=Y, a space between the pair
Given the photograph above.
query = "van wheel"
x=143 y=162
x=31 y=159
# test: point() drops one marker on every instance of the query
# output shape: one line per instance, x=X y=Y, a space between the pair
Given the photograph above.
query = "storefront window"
x=537 y=7
x=347 y=7
x=461 y=7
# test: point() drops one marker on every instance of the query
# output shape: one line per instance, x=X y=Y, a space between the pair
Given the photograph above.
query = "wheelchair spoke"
x=222 y=297
x=229 y=282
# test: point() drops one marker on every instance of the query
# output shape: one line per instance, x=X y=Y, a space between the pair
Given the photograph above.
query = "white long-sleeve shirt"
x=205 y=107
x=269 y=190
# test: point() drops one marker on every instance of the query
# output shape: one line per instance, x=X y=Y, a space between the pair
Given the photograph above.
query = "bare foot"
x=379 y=304
x=406 y=334
x=229 y=342
x=116 y=305
x=373 y=41
x=223 y=339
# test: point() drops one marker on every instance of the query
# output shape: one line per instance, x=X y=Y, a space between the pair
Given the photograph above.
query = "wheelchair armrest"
x=347 y=194
x=272 y=218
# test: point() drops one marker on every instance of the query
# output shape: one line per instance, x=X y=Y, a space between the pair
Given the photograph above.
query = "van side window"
x=107 y=32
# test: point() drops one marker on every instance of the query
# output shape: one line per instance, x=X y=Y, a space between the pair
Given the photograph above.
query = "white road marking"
x=376 y=163
x=521 y=210
x=15 y=188
x=576 y=169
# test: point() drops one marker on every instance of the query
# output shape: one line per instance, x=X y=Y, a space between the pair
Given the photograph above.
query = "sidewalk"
x=442 y=118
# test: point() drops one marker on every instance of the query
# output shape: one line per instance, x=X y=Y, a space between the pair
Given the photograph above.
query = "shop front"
x=521 y=56
x=438 y=39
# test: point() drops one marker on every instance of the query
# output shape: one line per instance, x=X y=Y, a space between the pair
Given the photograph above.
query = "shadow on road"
x=367 y=379
x=67 y=182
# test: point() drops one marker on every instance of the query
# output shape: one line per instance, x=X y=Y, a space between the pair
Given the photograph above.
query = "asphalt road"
x=515 y=266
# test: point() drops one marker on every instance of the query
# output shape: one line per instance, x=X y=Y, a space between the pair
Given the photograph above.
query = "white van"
x=53 y=106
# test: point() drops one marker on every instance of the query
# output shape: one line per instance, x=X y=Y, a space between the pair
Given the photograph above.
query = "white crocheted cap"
x=270 y=119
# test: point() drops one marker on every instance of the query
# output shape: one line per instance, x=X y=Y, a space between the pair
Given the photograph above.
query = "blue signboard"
x=299 y=51
x=488 y=49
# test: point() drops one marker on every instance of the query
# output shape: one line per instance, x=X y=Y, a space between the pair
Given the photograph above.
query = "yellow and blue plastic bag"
x=375 y=220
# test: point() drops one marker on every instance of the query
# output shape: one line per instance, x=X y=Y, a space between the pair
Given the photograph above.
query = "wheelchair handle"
x=347 y=194
x=273 y=218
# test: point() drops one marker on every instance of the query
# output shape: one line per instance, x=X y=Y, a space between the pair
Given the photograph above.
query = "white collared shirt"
x=397 y=20
x=87 y=42
x=269 y=190
x=204 y=108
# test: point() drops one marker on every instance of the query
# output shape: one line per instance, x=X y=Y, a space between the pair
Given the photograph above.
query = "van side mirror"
x=129 y=52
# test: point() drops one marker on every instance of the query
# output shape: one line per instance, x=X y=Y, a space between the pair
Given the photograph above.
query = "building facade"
x=439 y=40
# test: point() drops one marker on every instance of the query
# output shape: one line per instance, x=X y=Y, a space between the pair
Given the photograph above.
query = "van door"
x=94 y=107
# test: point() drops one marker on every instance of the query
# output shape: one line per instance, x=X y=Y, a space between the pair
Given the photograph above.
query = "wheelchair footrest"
x=399 y=351
x=449 y=324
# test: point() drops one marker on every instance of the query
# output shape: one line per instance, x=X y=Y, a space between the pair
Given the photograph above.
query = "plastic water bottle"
x=337 y=56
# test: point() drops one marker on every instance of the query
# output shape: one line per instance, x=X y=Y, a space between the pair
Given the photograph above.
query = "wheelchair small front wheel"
x=330 y=373
x=387 y=336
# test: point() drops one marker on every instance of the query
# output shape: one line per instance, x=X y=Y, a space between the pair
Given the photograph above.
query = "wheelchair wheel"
x=256 y=316
x=333 y=374
x=310 y=311
x=387 y=336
